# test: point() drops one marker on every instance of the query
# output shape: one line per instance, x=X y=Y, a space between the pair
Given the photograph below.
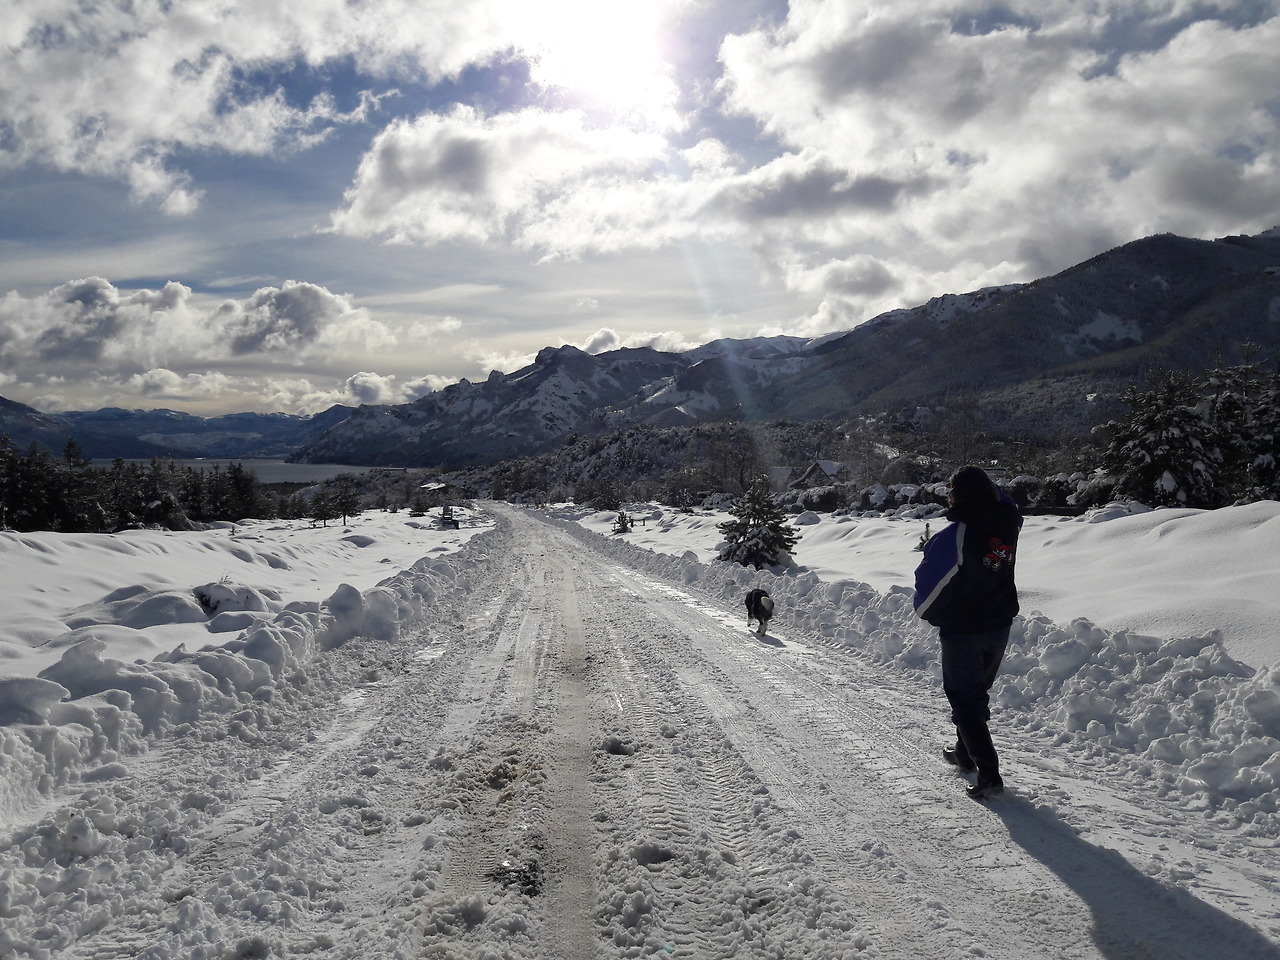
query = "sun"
x=603 y=53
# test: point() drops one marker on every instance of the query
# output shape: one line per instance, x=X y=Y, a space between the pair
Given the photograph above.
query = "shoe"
x=952 y=756
x=985 y=789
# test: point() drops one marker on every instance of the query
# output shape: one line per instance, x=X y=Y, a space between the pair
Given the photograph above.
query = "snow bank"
x=82 y=714
x=1201 y=726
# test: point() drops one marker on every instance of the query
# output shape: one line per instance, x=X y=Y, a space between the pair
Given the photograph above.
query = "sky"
x=215 y=206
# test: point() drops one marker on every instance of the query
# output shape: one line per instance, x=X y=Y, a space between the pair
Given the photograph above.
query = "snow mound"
x=87 y=710
x=138 y=607
x=223 y=597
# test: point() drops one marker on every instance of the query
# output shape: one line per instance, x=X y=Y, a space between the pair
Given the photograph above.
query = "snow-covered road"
x=577 y=759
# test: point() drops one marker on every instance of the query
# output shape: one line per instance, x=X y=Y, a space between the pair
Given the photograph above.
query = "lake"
x=267 y=471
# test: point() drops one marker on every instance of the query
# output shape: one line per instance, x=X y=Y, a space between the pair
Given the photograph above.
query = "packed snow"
x=535 y=737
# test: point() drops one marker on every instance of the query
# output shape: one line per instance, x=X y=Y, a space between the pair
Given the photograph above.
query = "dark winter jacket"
x=965 y=582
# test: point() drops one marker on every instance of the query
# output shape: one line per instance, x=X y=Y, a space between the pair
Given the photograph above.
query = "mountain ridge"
x=111 y=432
x=1040 y=359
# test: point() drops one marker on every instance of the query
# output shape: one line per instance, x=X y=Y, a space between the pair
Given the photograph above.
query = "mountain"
x=232 y=435
x=25 y=425
x=1047 y=355
x=565 y=389
x=1041 y=360
x=139 y=434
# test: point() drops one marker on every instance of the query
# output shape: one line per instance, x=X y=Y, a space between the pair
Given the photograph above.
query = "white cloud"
x=296 y=318
x=487 y=359
x=415 y=389
x=297 y=394
x=464 y=177
x=914 y=137
x=935 y=131
x=162 y=384
x=668 y=341
x=119 y=90
x=367 y=387
x=602 y=341
x=303 y=395
x=874 y=155
x=161 y=344
x=90 y=321
x=434 y=327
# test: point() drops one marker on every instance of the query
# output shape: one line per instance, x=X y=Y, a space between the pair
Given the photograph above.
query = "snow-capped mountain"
x=564 y=390
x=1041 y=359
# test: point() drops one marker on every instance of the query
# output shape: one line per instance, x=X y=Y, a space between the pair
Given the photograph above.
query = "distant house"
x=821 y=473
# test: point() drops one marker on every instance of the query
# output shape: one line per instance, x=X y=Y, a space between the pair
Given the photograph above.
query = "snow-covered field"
x=532 y=737
x=1162 y=572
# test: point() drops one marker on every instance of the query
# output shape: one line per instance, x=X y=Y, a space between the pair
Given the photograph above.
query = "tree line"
x=67 y=493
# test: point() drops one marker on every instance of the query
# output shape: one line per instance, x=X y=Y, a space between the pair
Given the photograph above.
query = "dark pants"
x=970 y=662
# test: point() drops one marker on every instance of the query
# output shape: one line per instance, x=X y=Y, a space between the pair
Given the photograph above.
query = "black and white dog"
x=759 y=608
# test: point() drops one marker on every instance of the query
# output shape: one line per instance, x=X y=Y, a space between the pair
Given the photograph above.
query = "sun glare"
x=606 y=53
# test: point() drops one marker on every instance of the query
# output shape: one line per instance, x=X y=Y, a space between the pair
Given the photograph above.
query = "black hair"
x=978 y=502
x=970 y=486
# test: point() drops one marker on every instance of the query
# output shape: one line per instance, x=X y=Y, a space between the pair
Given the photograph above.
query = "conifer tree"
x=1264 y=436
x=758 y=535
x=1246 y=415
x=346 y=501
x=1193 y=441
x=322 y=508
x=1167 y=452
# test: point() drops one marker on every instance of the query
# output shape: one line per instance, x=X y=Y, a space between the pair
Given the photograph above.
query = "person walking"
x=965 y=587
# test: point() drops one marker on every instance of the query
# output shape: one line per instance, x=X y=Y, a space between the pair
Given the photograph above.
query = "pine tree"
x=1246 y=406
x=346 y=501
x=1167 y=453
x=1264 y=461
x=9 y=466
x=758 y=535
x=322 y=508
x=245 y=497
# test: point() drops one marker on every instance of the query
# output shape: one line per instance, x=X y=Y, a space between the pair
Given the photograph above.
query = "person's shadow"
x=1134 y=916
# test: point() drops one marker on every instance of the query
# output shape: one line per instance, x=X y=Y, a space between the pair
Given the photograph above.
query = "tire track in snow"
x=870 y=818
x=698 y=867
x=571 y=835
x=1004 y=892
x=574 y=761
x=520 y=849
x=321 y=818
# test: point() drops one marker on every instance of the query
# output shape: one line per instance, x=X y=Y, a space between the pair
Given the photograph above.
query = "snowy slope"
x=504 y=416
x=541 y=740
